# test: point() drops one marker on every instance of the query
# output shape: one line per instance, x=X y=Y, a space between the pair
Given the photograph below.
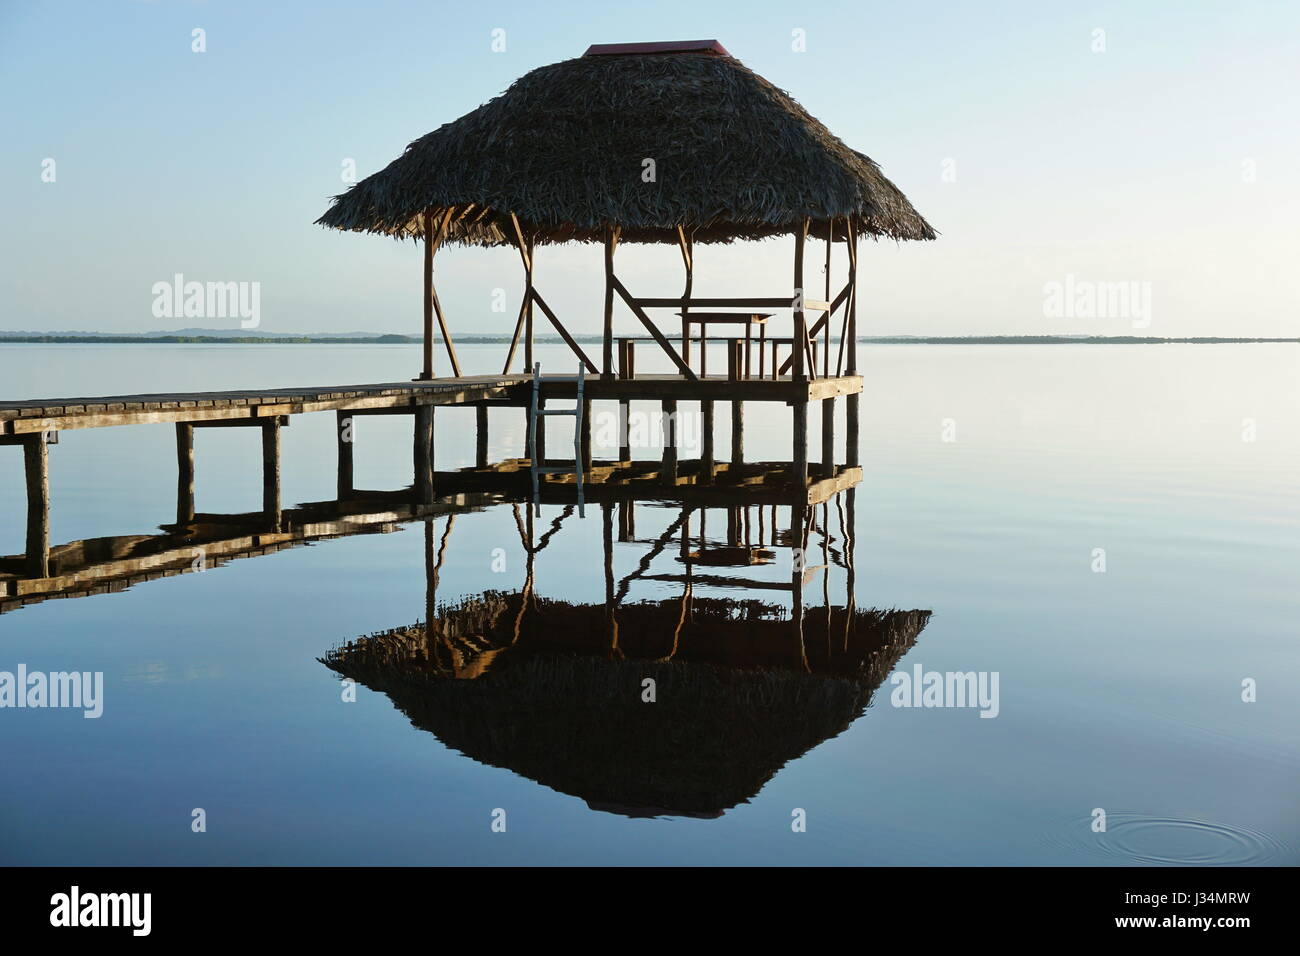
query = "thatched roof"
x=555 y=705
x=563 y=149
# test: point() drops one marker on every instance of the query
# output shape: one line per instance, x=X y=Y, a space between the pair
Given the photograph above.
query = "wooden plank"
x=742 y=302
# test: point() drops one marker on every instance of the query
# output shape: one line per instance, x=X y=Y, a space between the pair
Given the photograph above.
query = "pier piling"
x=36 y=463
x=184 y=473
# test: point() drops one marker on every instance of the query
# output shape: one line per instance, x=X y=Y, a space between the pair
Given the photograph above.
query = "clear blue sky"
x=1125 y=165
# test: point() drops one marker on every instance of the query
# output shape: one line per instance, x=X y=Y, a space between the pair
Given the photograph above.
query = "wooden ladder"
x=536 y=414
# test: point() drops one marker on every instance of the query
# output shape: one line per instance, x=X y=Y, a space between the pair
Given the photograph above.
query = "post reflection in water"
x=684 y=706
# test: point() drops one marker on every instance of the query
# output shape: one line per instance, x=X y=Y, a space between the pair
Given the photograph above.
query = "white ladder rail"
x=535 y=416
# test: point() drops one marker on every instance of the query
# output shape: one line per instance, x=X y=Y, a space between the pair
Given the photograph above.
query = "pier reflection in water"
x=677 y=706
x=684 y=706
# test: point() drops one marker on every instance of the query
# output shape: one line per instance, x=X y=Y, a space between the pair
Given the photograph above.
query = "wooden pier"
x=35 y=425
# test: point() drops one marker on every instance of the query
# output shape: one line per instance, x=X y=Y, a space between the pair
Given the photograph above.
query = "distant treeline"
x=590 y=339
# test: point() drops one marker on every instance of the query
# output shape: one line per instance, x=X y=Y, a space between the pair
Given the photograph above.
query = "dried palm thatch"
x=564 y=150
x=556 y=706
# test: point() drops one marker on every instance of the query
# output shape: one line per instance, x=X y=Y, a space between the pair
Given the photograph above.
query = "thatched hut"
x=667 y=143
x=537 y=687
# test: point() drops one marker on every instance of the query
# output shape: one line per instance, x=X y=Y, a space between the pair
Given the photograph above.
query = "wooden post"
x=433 y=236
x=526 y=250
x=737 y=432
x=706 y=454
x=670 y=439
x=607 y=358
x=344 y=424
x=271 y=471
x=828 y=437
x=184 y=473
x=481 y=436
x=540 y=425
x=852 y=242
x=427 y=372
x=800 y=440
x=826 y=332
x=799 y=345
x=851 y=454
x=422 y=454
x=685 y=243
x=624 y=426
x=36 y=464
x=626 y=520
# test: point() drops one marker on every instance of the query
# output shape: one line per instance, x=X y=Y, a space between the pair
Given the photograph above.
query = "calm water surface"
x=1119 y=690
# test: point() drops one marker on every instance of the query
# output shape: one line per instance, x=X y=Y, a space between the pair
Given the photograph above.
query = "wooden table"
x=706 y=319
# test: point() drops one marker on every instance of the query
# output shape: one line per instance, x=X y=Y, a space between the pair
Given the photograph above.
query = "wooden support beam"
x=540 y=425
x=251 y=421
x=422 y=453
x=800 y=441
x=800 y=344
x=36 y=465
x=519 y=328
x=727 y=302
x=828 y=437
x=433 y=236
x=271 y=471
x=564 y=333
x=607 y=356
x=654 y=331
x=826 y=316
x=688 y=260
x=437 y=306
x=184 y=473
x=852 y=367
x=737 y=432
x=707 y=463
x=851 y=453
x=481 y=436
x=669 y=407
x=525 y=247
x=624 y=425
x=343 y=440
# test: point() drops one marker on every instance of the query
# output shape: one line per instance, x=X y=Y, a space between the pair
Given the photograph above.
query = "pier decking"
x=19 y=418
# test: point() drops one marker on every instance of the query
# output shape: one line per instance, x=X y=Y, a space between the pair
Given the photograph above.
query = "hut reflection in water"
x=684 y=706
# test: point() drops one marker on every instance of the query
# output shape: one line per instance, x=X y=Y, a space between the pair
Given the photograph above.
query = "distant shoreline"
x=58 y=339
